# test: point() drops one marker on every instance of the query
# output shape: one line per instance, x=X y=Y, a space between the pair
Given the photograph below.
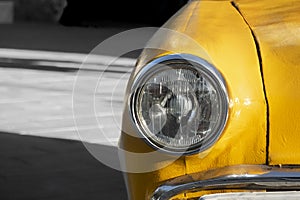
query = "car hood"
x=276 y=28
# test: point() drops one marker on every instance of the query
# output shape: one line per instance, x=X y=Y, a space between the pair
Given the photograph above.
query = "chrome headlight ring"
x=179 y=104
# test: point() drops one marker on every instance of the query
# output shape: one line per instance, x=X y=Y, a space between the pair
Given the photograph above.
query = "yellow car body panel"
x=219 y=29
x=277 y=28
x=233 y=53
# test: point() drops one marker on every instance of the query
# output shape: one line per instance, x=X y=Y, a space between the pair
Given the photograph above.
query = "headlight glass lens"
x=180 y=106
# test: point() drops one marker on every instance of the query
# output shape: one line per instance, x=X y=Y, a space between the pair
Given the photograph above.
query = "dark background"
x=93 y=12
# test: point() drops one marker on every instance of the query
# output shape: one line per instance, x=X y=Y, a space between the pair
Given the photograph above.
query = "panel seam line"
x=258 y=50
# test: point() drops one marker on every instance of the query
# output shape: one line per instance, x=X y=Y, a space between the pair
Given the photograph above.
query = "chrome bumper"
x=245 y=177
x=292 y=195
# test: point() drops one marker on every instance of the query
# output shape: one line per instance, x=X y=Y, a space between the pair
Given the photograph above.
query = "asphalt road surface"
x=41 y=153
x=37 y=168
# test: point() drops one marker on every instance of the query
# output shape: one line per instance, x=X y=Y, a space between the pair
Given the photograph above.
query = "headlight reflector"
x=179 y=103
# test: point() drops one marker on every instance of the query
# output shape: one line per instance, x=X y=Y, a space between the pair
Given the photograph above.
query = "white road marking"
x=39 y=103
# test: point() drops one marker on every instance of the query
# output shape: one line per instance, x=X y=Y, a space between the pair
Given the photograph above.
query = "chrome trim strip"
x=155 y=66
x=245 y=177
x=290 y=195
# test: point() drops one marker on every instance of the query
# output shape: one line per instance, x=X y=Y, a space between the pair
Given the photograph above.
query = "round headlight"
x=179 y=103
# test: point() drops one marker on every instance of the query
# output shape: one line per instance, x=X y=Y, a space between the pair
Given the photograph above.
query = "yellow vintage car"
x=213 y=105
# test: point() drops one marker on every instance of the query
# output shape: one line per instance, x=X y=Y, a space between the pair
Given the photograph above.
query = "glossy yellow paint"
x=276 y=25
x=229 y=44
x=225 y=40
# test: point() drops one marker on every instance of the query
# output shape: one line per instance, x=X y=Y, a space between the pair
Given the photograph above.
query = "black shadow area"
x=41 y=168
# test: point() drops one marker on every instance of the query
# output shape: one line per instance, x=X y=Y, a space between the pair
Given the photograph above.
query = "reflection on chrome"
x=243 y=177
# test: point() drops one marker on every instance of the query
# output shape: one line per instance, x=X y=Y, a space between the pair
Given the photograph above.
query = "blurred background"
x=89 y=12
x=42 y=46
